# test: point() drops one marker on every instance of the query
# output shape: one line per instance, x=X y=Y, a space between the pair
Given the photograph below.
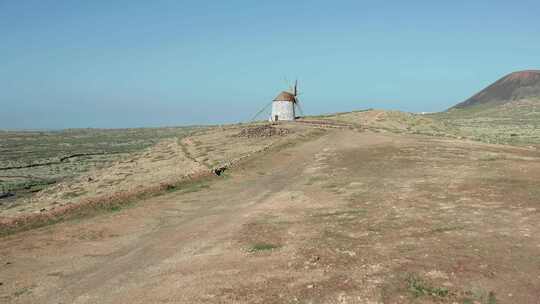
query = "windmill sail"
x=296 y=99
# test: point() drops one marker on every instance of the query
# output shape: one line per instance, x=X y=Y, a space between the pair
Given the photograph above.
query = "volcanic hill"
x=515 y=86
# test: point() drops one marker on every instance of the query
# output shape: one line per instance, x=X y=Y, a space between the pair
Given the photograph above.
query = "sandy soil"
x=346 y=218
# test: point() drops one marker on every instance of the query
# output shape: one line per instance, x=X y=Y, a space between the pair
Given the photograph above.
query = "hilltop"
x=506 y=112
x=340 y=214
x=515 y=86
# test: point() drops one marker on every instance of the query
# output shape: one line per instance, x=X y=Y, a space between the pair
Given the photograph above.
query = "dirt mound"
x=515 y=86
x=262 y=131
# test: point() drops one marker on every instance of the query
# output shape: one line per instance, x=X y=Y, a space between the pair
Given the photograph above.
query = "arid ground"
x=342 y=216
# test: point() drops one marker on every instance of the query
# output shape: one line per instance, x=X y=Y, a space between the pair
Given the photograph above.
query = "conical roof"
x=285 y=96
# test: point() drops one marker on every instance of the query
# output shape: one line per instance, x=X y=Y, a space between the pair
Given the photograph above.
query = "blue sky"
x=155 y=63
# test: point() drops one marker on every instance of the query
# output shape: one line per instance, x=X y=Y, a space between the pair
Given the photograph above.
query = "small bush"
x=115 y=208
x=420 y=288
x=262 y=247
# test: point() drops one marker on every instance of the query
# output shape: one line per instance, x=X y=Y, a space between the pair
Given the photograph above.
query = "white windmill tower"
x=285 y=104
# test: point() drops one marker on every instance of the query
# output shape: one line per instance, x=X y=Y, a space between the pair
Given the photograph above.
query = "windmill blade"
x=295 y=87
x=300 y=111
x=262 y=110
x=299 y=107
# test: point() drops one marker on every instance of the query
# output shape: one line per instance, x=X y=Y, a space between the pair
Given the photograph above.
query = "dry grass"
x=164 y=166
x=90 y=206
x=514 y=123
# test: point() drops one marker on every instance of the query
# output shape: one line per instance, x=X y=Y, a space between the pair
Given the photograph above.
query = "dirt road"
x=346 y=218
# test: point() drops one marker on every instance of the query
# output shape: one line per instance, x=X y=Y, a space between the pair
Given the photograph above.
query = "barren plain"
x=365 y=210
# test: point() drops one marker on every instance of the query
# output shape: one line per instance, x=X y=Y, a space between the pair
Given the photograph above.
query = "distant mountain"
x=515 y=86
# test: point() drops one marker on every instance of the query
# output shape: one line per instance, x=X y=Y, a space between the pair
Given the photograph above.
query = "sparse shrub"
x=491 y=298
x=262 y=247
x=115 y=208
x=490 y=157
x=420 y=288
x=314 y=179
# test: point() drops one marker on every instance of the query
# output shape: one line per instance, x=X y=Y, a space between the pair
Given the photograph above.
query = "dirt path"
x=347 y=218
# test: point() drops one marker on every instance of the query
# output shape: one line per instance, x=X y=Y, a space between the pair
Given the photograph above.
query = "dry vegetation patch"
x=137 y=173
x=163 y=166
x=514 y=123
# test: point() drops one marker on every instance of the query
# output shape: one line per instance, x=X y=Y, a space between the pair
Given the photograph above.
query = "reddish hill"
x=515 y=86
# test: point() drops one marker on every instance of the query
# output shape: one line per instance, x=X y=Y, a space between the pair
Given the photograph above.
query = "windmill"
x=285 y=105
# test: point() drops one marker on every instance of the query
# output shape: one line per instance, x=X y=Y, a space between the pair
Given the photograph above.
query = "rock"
x=315 y=259
x=262 y=131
